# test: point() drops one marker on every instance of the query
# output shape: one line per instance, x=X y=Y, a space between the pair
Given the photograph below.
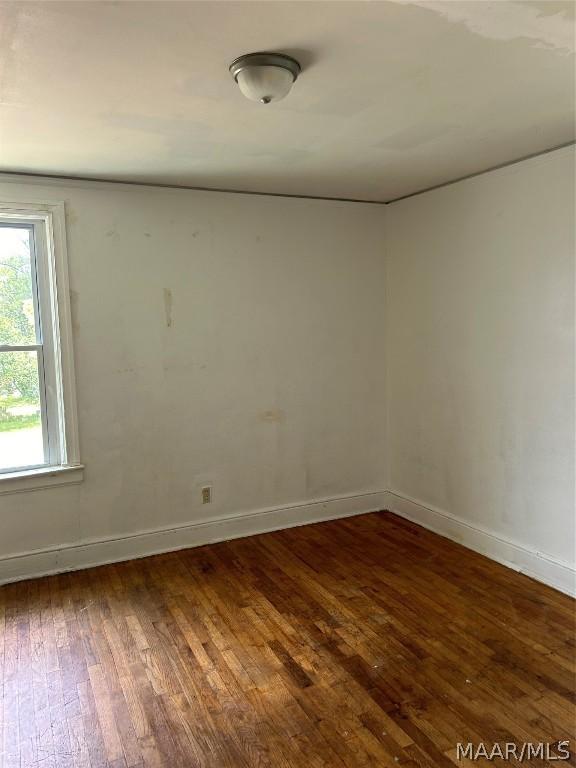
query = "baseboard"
x=90 y=553
x=542 y=567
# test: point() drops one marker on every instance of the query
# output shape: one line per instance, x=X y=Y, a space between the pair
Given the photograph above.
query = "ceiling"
x=394 y=97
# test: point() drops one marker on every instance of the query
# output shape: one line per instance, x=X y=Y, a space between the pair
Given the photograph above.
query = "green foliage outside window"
x=18 y=370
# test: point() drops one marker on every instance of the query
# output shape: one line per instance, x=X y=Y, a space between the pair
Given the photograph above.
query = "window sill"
x=37 y=479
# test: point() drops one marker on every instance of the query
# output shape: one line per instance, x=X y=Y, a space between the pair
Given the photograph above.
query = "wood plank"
x=355 y=643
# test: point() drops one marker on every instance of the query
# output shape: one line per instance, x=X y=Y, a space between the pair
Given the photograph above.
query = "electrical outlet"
x=207 y=494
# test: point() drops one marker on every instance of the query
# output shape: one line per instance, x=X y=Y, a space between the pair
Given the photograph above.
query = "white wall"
x=480 y=332
x=264 y=382
x=301 y=362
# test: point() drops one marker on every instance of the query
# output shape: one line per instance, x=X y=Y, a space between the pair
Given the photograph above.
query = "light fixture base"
x=265 y=59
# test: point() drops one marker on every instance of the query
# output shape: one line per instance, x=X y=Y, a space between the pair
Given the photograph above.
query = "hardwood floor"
x=361 y=642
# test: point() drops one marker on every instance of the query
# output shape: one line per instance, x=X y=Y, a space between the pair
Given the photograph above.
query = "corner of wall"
x=386 y=337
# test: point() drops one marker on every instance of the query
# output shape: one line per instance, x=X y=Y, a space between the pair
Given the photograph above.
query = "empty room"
x=287 y=383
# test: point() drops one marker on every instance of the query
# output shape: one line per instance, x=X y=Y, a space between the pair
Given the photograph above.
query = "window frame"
x=51 y=296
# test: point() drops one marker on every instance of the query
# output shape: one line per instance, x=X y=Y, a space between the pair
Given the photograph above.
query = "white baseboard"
x=549 y=570
x=90 y=553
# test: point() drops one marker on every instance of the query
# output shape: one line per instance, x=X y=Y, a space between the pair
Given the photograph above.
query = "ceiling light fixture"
x=265 y=77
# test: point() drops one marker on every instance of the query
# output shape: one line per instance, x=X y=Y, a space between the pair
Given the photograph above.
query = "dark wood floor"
x=361 y=642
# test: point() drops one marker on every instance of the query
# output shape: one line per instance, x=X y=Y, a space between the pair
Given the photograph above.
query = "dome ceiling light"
x=265 y=77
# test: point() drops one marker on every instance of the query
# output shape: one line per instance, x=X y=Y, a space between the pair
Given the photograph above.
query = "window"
x=38 y=431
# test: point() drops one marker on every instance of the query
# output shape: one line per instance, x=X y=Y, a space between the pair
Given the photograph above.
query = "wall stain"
x=168 y=307
x=273 y=416
x=74 y=302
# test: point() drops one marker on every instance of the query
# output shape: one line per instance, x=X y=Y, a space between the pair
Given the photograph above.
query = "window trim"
x=48 y=220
